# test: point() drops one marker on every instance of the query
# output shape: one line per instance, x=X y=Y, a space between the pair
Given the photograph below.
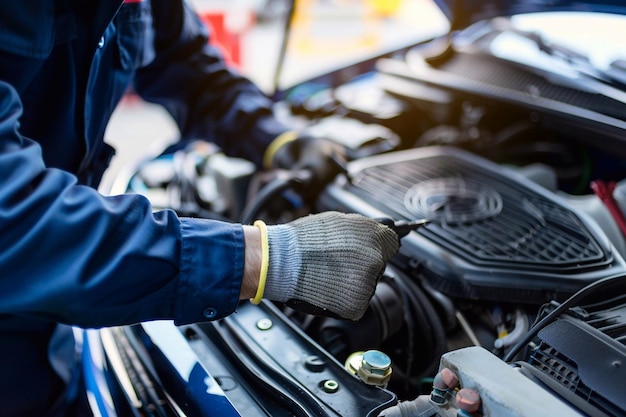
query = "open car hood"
x=462 y=13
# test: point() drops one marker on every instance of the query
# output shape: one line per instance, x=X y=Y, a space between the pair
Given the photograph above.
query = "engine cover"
x=580 y=356
x=493 y=235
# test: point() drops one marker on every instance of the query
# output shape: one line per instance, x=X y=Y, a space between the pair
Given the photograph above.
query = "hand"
x=322 y=158
x=329 y=263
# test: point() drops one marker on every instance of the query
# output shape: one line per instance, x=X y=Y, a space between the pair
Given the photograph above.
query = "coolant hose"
x=519 y=330
x=402 y=409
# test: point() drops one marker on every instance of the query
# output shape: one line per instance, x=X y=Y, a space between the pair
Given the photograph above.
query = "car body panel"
x=463 y=13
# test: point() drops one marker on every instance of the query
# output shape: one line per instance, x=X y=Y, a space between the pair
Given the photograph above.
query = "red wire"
x=604 y=191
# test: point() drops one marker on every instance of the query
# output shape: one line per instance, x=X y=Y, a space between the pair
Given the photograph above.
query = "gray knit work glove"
x=328 y=264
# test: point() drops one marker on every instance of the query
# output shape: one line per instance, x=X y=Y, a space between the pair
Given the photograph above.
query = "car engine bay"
x=521 y=176
x=509 y=301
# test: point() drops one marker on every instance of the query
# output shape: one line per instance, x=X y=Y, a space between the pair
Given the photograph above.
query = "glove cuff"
x=265 y=255
x=272 y=148
x=285 y=263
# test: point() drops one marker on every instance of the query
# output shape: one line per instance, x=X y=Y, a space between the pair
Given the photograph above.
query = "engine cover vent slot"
x=611 y=322
x=548 y=361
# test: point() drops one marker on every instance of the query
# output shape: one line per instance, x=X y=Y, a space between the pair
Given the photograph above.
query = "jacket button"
x=209 y=312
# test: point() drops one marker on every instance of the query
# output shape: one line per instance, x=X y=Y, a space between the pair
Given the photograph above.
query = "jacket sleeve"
x=72 y=255
x=208 y=99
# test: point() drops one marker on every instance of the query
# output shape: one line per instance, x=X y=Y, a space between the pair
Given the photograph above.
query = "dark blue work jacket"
x=68 y=254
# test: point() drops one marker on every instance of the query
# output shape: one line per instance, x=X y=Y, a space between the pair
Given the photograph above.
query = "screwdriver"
x=403 y=227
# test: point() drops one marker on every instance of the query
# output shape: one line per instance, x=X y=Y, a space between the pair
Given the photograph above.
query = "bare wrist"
x=252 y=262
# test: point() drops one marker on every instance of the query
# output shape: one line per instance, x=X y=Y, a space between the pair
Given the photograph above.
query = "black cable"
x=445 y=303
x=585 y=291
x=427 y=320
x=397 y=279
x=280 y=183
x=272 y=189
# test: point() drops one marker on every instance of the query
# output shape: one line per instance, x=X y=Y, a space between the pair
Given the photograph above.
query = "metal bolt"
x=375 y=368
x=376 y=362
x=264 y=324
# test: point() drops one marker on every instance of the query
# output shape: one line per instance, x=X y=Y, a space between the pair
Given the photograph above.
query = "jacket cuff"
x=211 y=270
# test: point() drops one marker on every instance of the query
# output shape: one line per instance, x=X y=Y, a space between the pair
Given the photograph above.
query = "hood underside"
x=462 y=13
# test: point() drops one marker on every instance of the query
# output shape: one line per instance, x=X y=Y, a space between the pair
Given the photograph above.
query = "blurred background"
x=324 y=35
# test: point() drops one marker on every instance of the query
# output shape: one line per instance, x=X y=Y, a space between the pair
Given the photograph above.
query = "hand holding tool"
x=403 y=227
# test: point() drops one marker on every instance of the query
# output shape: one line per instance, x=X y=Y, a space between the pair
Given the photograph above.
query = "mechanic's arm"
x=69 y=254
x=210 y=100
x=72 y=255
x=325 y=265
x=207 y=98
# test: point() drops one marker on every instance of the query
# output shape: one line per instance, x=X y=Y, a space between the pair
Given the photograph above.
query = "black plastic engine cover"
x=584 y=355
x=494 y=235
